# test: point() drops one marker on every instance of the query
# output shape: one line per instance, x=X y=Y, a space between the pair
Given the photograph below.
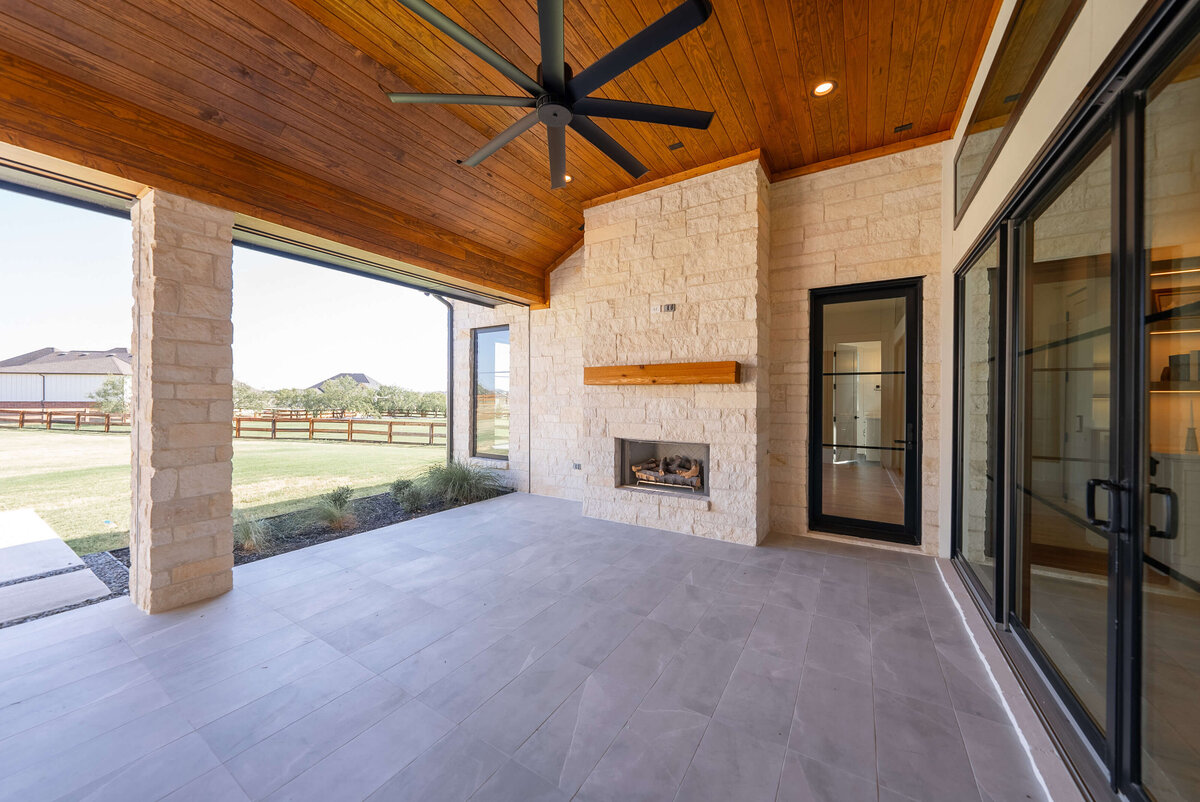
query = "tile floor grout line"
x=996 y=686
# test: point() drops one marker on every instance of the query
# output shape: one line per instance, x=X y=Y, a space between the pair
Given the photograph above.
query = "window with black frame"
x=1034 y=32
x=979 y=305
x=490 y=382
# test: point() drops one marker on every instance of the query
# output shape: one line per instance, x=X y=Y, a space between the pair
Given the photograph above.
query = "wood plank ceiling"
x=277 y=109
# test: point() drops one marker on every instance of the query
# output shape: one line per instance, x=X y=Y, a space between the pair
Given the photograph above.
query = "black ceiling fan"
x=560 y=99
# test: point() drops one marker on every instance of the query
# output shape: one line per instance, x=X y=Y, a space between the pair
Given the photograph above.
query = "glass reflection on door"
x=863 y=411
x=1063 y=426
x=979 y=333
x=1171 y=535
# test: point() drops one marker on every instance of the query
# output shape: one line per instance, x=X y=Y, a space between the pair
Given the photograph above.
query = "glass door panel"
x=1171 y=535
x=1063 y=426
x=863 y=473
x=980 y=299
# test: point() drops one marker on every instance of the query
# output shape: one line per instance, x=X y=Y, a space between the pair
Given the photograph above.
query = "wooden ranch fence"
x=62 y=418
x=350 y=430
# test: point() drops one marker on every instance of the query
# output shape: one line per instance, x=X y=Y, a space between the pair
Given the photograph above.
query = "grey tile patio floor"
x=514 y=650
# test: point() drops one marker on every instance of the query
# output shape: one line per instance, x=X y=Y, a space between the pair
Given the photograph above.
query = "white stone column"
x=181 y=533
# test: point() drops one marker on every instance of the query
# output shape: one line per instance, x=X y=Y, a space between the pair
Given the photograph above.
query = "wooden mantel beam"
x=672 y=373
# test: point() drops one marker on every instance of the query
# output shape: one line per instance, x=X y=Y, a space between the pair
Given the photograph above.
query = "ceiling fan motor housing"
x=553 y=111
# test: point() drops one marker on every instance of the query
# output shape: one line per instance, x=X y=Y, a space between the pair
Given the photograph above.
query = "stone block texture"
x=182 y=530
x=738 y=257
x=513 y=471
x=699 y=244
x=871 y=221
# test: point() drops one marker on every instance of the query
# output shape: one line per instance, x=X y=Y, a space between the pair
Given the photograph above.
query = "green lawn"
x=78 y=482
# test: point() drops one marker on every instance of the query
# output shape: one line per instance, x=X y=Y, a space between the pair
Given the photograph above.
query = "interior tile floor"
x=514 y=650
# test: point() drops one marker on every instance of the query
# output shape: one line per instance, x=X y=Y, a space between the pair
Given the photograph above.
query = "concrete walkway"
x=38 y=571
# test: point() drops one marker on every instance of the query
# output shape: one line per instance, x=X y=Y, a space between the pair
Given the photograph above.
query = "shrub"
x=334 y=508
x=461 y=483
x=400 y=486
x=252 y=534
x=411 y=496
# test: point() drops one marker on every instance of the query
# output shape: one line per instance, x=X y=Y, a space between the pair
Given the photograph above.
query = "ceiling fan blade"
x=550 y=31
x=461 y=100
x=557 y=139
x=685 y=17
x=643 y=112
x=456 y=32
x=503 y=138
x=607 y=145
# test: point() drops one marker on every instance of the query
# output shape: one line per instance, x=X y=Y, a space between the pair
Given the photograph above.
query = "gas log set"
x=673 y=470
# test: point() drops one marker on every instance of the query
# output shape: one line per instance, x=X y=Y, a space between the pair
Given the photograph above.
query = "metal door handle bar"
x=1110 y=488
x=1172 y=530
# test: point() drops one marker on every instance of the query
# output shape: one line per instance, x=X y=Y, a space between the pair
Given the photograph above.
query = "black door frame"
x=1109 y=763
x=910 y=290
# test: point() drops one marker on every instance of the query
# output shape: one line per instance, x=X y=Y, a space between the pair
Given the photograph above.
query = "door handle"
x=1172 y=530
x=1090 y=502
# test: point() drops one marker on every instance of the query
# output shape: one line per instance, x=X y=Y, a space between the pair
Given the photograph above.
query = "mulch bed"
x=297 y=530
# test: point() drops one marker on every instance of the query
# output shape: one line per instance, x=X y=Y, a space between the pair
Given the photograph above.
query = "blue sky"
x=65 y=279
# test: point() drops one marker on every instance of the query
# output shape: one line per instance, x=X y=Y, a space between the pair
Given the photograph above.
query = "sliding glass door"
x=1170 y=454
x=1077 y=491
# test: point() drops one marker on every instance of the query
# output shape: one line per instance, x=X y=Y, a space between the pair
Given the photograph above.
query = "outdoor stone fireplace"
x=662 y=467
x=677 y=275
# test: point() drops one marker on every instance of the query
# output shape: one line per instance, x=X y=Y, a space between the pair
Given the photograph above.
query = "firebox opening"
x=662 y=466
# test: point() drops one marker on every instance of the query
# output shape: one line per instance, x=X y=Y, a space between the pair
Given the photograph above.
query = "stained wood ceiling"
x=277 y=109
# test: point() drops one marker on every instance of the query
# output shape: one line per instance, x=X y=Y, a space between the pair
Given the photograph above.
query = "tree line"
x=336 y=394
x=341 y=394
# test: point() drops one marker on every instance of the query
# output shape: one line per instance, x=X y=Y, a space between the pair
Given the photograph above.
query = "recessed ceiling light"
x=567 y=178
x=824 y=88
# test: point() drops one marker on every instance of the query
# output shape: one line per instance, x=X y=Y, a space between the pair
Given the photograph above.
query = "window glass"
x=977 y=473
x=1064 y=424
x=1171 y=537
x=1033 y=35
x=491 y=392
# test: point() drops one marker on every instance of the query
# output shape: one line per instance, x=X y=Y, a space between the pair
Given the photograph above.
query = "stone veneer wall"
x=182 y=530
x=706 y=244
x=556 y=373
x=698 y=244
x=874 y=220
x=515 y=470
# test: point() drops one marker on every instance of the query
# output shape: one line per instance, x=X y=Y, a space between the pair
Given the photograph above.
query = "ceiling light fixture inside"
x=567 y=178
x=824 y=88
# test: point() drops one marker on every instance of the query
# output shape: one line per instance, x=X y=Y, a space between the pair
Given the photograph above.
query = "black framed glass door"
x=1169 y=457
x=864 y=452
x=1077 y=487
x=1063 y=445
